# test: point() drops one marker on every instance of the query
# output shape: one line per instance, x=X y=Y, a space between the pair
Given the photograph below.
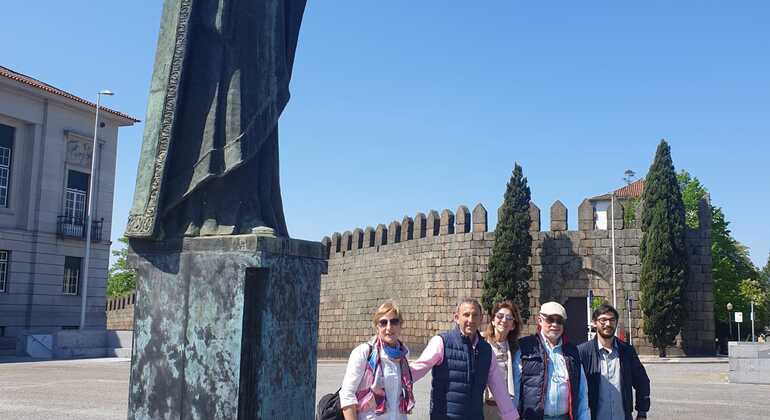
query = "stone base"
x=749 y=363
x=225 y=327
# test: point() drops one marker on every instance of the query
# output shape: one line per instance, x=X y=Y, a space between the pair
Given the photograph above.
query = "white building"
x=602 y=204
x=45 y=150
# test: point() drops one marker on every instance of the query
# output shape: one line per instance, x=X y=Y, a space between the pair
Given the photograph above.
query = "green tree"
x=509 y=270
x=663 y=254
x=629 y=211
x=121 y=279
x=692 y=192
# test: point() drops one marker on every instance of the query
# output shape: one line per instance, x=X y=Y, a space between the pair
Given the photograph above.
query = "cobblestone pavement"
x=97 y=389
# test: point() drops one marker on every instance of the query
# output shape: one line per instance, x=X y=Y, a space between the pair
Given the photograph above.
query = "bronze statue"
x=209 y=159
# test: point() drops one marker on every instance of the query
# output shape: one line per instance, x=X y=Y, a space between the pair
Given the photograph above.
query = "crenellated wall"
x=427 y=263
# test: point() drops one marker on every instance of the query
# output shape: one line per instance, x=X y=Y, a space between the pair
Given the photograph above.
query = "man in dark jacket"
x=547 y=375
x=612 y=368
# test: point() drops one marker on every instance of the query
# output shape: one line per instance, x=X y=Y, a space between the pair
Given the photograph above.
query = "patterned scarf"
x=373 y=378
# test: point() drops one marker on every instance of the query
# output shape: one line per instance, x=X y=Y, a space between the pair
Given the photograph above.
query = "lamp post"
x=612 y=236
x=89 y=204
x=752 y=321
x=730 y=318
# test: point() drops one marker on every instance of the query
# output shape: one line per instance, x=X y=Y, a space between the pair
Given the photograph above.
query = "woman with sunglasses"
x=378 y=382
x=502 y=334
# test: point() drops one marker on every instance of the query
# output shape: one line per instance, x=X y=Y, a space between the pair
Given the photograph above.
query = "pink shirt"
x=434 y=354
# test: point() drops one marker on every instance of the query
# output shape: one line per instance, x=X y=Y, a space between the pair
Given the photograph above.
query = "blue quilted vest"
x=533 y=374
x=458 y=382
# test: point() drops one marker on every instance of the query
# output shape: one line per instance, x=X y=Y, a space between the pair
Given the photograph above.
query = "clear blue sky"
x=404 y=106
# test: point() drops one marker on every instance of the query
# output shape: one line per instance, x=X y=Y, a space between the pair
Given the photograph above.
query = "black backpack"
x=329 y=405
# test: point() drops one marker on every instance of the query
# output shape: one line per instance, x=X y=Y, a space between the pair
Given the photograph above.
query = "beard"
x=606 y=332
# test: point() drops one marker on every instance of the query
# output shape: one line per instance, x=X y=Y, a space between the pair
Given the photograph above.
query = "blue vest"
x=533 y=374
x=458 y=382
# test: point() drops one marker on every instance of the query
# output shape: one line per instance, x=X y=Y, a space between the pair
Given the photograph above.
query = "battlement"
x=463 y=221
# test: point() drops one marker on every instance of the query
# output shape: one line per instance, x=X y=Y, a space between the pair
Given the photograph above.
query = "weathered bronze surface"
x=209 y=159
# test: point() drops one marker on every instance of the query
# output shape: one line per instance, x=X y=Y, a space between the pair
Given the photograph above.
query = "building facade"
x=46 y=137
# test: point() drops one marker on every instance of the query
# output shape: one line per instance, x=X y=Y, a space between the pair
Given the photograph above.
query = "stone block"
x=480 y=223
x=407 y=229
x=336 y=242
x=204 y=339
x=558 y=217
x=462 y=220
x=534 y=215
x=381 y=235
x=394 y=232
x=447 y=225
x=432 y=224
x=369 y=237
x=586 y=215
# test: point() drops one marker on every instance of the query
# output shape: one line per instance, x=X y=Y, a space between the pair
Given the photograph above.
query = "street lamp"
x=90 y=209
x=730 y=318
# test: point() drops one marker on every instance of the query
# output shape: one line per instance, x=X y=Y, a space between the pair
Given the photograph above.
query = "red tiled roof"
x=21 y=78
x=631 y=190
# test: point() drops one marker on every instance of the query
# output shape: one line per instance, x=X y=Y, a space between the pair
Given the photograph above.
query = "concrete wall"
x=47 y=126
x=749 y=363
x=427 y=263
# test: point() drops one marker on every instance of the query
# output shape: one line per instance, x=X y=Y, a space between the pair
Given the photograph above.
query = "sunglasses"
x=395 y=322
x=501 y=315
x=553 y=319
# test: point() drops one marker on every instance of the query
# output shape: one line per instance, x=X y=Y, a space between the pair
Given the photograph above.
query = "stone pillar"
x=462 y=220
x=558 y=217
x=480 y=223
x=534 y=216
x=216 y=318
x=586 y=215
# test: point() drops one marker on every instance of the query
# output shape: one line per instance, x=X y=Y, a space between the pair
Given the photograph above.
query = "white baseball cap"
x=553 y=308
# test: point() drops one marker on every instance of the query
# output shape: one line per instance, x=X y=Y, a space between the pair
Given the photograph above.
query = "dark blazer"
x=632 y=374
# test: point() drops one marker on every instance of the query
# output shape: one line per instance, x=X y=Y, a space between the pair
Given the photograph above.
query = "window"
x=4 y=271
x=6 y=148
x=75 y=200
x=71 y=275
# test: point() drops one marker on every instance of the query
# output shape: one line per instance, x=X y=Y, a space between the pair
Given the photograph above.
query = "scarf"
x=373 y=377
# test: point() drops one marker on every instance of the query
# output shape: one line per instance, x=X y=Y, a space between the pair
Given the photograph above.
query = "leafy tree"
x=663 y=254
x=692 y=192
x=731 y=269
x=509 y=270
x=764 y=274
x=121 y=279
x=629 y=211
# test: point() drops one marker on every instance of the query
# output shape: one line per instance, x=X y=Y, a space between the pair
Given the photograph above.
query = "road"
x=96 y=389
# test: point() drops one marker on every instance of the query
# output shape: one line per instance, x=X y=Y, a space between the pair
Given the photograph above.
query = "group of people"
x=497 y=375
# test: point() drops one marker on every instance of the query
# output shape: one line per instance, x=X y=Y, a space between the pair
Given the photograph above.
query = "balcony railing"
x=69 y=227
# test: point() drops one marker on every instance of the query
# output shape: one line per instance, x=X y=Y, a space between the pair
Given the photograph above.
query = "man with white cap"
x=549 y=380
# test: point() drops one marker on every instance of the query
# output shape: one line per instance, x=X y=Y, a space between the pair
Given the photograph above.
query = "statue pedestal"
x=225 y=327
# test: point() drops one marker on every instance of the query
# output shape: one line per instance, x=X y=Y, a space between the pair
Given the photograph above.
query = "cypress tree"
x=663 y=254
x=509 y=270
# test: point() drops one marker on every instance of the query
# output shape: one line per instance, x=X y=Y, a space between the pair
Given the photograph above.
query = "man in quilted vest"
x=547 y=375
x=462 y=366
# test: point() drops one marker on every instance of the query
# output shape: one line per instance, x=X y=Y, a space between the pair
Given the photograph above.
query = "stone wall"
x=120 y=313
x=427 y=263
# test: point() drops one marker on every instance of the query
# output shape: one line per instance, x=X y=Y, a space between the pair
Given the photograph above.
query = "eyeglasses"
x=395 y=322
x=607 y=321
x=501 y=315
x=552 y=319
